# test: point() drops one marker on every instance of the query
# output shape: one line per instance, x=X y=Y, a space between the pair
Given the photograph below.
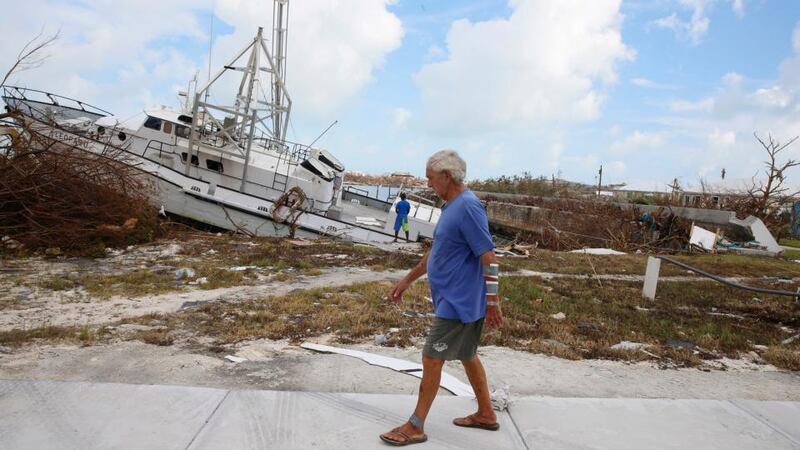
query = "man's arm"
x=396 y=294
x=494 y=316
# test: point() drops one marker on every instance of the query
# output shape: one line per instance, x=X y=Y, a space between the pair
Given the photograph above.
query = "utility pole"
x=599 y=180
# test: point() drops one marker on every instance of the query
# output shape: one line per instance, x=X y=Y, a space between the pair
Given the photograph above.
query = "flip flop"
x=408 y=439
x=475 y=424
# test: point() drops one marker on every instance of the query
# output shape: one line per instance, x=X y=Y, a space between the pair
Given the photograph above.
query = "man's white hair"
x=449 y=161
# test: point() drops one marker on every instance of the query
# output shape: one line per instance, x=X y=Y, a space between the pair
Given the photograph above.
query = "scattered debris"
x=368 y=221
x=788 y=341
x=702 y=238
x=628 y=345
x=448 y=381
x=559 y=316
x=170 y=250
x=501 y=398
x=199 y=281
x=598 y=251
x=588 y=326
x=184 y=273
x=381 y=339
x=235 y=359
x=674 y=343
x=555 y=343
x=753 y=357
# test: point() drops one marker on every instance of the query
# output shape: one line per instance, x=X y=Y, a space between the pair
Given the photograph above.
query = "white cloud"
x=400 y=118
x=721 y=138
x=101 y=45
x=650 y=84
x=732 y=79
x=738 y=8
x=643 y=82
x=637 y=142
x=796 y=37
x=544 y=63
x=121 y=54
x=435 y=53
x=704 y=105
x=334 y=45
x=495 y=156
x=695 y=27
x=774 y=96
x=614 y=130
x=734 y=112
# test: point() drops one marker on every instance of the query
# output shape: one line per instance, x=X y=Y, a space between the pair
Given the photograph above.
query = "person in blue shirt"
x=402 y=209
x=463 y=276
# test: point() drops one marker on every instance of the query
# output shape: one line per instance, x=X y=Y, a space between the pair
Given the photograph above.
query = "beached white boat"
x=229 y=165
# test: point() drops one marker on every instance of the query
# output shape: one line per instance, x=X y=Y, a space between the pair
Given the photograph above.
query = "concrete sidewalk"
x=67 y=415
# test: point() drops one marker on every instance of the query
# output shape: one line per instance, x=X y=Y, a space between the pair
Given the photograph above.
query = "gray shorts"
x=453 y=340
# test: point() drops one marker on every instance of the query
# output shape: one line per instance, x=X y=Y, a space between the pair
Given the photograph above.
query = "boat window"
x=214 y=165
x=311 y=168
x=333 y=164
x=167 y=127
x=122 y=136
x=154 y=123
x=185 y=119
x=195 y=161
x=182 y=131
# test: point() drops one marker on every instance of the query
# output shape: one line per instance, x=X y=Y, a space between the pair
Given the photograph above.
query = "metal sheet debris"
x=448 y=381
x=598 y=251
x=702 y=238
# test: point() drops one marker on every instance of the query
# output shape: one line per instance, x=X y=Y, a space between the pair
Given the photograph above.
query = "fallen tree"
x=54 y=196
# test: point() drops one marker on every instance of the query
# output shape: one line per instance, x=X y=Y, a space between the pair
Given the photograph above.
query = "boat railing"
x=263 y=142
x=356 y=190
x=154 y=144
x=36 y=96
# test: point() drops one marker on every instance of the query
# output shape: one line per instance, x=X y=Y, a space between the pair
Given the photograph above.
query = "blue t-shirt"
x=402 y=208
x=455 y=272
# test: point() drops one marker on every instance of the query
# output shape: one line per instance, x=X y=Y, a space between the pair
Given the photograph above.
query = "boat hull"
x=219 y=206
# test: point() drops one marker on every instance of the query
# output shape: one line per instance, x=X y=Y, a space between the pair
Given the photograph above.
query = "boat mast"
x=252 y=111
x=280 y=29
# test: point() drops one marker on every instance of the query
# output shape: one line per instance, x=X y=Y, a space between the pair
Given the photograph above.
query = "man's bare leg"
x=477 y=378
x=428 y=388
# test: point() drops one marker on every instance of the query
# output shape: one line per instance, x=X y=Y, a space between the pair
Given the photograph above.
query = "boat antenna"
x=323 y=133
x=210 y=43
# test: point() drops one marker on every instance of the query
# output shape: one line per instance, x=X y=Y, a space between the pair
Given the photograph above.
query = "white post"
x=651 y=278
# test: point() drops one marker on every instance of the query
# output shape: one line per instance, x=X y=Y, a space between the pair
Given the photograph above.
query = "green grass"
x=50 y=333
x=720 y=264
x=791 y=254
x=597 y=317
x=133 y=284
x=790 y=242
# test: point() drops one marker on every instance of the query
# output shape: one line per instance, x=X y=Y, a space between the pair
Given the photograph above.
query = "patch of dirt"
x=276 y=365
x=57 y=308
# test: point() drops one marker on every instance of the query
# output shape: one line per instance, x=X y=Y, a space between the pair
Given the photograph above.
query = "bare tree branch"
x=30 y=57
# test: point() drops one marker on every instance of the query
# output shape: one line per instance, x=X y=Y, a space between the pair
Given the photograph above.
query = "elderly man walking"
x=463 y=276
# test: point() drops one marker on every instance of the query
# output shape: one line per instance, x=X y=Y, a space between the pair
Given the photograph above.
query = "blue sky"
x=652 y=90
